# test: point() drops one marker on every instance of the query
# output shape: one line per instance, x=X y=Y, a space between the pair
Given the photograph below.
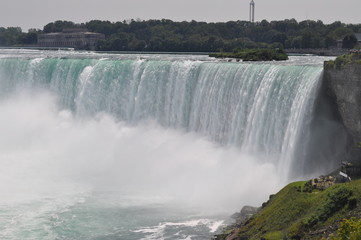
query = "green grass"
x=277 y=235
x=294 y=211
x=343 y=60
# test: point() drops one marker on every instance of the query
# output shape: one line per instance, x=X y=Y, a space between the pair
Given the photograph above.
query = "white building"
x=71 y=38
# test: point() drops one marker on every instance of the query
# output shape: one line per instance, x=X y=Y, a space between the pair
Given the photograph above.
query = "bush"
x=296 y=230
x=350 y=229
x=352 y=203
x=336 y=200
x=308 y=187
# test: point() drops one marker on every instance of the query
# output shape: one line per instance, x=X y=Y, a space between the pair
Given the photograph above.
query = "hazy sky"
x=37 y=13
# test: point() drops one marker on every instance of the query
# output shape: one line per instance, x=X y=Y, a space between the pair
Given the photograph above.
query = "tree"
x=58 y=26
x=349 y=41
x=307 y=39
x=279 y=38
x=296 y=42
x=105 y=27
x=330 y=41
x=340 y=32
x=10 y=36
x=28 y=38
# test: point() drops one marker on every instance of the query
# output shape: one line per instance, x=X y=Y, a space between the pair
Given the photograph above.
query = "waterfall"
x=152 y=146
x=262 y=108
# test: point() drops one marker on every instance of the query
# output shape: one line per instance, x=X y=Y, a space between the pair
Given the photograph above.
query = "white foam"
x=158 y=232
x=51 y=160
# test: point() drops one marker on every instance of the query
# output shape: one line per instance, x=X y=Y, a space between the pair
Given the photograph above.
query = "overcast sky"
x=37 y=13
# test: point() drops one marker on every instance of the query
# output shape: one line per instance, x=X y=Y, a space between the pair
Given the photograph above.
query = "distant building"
x=79 y=39
x=251 y=11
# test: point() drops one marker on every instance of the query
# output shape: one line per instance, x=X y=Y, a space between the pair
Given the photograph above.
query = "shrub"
x=352 y=203
x=308 y=187
x=350 y=229
x=336 y=199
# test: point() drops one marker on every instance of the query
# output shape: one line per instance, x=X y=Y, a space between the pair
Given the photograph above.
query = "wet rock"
x=245 y=213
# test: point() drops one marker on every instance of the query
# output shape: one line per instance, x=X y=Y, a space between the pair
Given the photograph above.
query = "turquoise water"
x=106 y=146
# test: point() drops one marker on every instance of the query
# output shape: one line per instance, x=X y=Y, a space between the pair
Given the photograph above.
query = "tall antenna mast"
x=251 y=11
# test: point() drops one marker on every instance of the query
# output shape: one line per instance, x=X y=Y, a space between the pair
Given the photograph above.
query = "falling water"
x=87 y=137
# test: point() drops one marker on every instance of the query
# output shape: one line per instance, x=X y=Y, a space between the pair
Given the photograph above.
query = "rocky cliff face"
x=343 y=85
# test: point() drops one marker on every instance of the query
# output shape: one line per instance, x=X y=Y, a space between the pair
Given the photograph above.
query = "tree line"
x=167 y=35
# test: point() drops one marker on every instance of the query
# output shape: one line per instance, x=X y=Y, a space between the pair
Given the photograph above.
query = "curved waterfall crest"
x=260 y=108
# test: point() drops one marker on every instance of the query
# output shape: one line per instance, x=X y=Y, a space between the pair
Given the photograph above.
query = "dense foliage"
x=12 y=36
x=166 y=35
x=263 y=54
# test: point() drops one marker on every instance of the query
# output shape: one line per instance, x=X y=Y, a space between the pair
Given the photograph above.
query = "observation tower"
x=251 y=11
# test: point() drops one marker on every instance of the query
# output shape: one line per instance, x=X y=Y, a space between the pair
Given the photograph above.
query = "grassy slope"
x=295 y=213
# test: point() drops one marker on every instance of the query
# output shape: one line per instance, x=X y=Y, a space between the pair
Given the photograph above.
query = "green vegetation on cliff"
x=343 y=60
x=298 y=212
x=262 y=54
x=350 y=229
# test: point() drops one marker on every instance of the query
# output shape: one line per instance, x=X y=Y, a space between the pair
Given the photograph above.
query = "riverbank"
x=300 y=212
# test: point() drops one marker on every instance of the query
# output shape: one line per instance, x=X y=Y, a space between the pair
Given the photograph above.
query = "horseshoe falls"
x=137 y=146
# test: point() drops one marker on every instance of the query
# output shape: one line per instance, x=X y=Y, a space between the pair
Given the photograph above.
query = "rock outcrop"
x=245 y=213
x=343 y=85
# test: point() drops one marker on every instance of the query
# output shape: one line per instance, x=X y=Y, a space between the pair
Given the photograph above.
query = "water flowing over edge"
x=78 y=126
x=259 y=108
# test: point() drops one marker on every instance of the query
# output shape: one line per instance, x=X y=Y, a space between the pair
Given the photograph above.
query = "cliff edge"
x=342 y=81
